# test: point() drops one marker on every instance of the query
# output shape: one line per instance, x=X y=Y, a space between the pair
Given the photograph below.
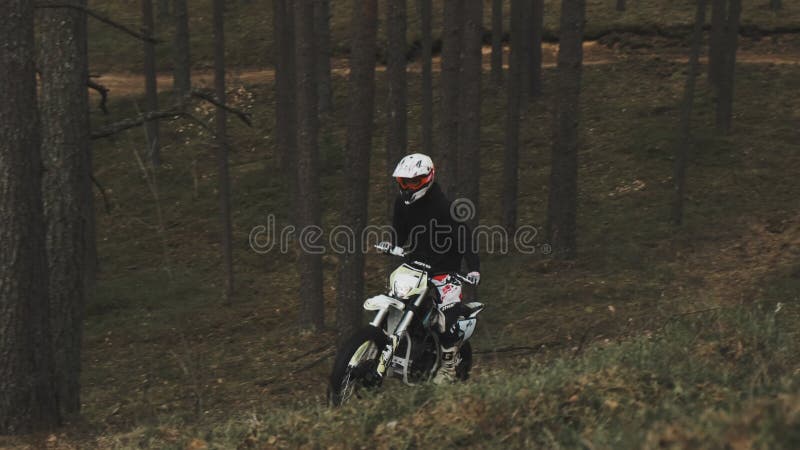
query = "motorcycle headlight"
x=402 y=288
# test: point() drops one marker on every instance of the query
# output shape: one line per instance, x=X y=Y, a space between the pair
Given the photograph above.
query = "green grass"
x=726 y=377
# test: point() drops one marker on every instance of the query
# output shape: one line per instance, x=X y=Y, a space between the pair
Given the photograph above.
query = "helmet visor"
x=414 y=183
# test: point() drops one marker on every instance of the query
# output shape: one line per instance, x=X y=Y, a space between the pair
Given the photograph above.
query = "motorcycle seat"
x=473 y=308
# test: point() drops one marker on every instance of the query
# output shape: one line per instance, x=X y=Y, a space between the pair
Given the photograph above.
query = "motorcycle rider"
x=423 y=220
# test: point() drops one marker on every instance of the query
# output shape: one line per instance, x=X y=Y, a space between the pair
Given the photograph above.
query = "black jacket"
x=427 y=229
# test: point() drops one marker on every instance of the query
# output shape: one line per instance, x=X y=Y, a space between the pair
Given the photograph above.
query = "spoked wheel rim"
x=359 y=372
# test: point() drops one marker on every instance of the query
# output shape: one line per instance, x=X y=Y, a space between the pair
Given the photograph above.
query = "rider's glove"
x=384 y=247
x=474 y=277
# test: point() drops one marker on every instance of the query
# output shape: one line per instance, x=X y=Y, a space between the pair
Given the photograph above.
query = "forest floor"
x=781 y=50
x=166 y=365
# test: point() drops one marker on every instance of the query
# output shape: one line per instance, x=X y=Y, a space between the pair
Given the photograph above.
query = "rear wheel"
x=356 y=365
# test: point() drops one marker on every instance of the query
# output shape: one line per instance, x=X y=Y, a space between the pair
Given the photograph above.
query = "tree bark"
x=620 y=5
x=28 y=396
x=396 y=116
x=151 y=88
x=66 y=189
x=364 y=26
x=511 y=151
x=685 y=147
x=562 y=203
x=163 y=10
x=182 y=73
x=448 y=151
x=537 y=33
x=425 y=12
x=776 y=5
x=322 y=16
x=470 y=109
x=307 y=214
x=526 y=47
x=222 y=150
x=285 y=112
x=727 y=74
x=497 y=42
x=716 y=42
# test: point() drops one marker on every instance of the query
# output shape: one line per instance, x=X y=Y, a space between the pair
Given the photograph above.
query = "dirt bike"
x=401 y=341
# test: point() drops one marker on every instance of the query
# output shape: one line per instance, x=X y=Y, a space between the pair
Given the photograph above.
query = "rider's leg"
x=450 y=309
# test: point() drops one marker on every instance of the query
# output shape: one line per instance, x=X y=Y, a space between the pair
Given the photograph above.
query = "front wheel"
x=356 y=365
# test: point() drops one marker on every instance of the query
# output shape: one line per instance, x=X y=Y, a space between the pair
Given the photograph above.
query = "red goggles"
x=415 y=182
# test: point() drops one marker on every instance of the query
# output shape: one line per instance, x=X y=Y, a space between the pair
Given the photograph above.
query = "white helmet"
x=414 y=175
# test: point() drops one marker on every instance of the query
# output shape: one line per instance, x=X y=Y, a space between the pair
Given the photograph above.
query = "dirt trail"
x=128 y=83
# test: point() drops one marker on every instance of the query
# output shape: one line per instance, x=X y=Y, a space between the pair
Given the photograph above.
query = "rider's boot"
x=451 y=358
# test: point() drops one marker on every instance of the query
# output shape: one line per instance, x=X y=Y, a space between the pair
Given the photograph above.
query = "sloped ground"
x=165 y=363
x=249 y=32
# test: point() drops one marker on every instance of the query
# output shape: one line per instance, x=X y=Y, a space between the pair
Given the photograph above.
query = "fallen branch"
x=102 y=193
x=134 y=122
x=688 y=313
x=581 y=343
x=101 y=18
x=243 y=116
x=313 y=363
x=103 y=91
x=313 y=351
x=523 y=348
x=321 y=359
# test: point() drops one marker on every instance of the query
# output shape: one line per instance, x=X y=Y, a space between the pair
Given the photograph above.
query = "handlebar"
x=400 y=251
x=465 y=279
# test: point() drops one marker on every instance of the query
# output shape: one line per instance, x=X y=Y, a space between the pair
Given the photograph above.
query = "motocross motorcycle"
x=402 y=340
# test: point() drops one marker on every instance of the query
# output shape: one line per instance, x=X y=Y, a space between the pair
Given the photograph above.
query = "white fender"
x=467 y=327
x=380 y=302
x=476 y=308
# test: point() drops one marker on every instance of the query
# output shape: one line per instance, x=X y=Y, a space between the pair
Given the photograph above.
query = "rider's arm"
x=471 y=252
x=399 y=224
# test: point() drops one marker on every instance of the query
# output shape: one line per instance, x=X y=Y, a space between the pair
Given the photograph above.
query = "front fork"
x=399 y=332
x=387 y=354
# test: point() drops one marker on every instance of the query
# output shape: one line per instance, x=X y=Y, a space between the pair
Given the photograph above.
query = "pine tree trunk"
x=447 y=151
x=66 y=188
x=511 y=151
x=397 y=134
x=425 y=12
x=307 y=214
x=497 y=42
x=686 y=144
x=182 y=72
x=537 y=32
x=470 y=109
x=620 y=5
x=322 y=29
x=364 y=26
x=151 y=88
x=526 y=48
x=563 y=197
x=226 y=237
x=28 y=395
x=727 y=74
x=776 y=5
x=285 y=90
x=716 y=42
x=163 y=10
